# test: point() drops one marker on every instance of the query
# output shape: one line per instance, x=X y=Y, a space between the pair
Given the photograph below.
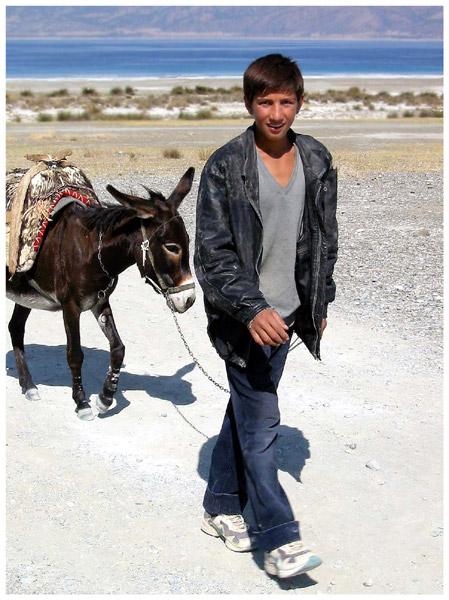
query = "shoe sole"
x=312 y=563
x=209 y=529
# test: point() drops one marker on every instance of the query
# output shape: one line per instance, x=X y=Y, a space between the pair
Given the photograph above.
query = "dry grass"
x=205 y=153
x=400 y=158
x=115 y=153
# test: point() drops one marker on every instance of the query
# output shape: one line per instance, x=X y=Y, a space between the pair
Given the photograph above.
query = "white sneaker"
x=290 y=560
x=232 y=529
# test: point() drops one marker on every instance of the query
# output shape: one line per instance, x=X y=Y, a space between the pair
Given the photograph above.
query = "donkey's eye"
x=172 y=248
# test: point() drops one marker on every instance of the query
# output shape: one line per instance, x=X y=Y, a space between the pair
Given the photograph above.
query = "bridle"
x=162 y=288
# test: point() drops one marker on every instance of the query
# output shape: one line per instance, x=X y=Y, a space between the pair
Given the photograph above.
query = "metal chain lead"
x=193 y=357
x=102 y=293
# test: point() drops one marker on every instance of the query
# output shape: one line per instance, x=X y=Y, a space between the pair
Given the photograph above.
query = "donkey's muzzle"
x=183 y=297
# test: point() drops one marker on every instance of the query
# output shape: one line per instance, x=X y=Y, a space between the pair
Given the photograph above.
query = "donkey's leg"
x=17 y=331
x=103 y=314
x=75 y=358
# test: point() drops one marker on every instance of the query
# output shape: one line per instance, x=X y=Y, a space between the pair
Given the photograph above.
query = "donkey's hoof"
x=85 y=413
x=32 y=394
x=102 y=406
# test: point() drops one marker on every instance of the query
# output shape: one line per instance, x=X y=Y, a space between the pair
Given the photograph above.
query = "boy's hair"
x=272 y=73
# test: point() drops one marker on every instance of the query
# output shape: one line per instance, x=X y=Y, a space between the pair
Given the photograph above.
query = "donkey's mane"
x=106 y=216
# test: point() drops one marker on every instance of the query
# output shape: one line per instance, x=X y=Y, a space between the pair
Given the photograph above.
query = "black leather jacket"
x=228 y=245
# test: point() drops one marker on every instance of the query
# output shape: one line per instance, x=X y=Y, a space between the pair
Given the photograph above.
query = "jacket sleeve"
x=331 y=229
x=226 y=285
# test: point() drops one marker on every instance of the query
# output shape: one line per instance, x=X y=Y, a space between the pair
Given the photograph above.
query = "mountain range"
x=301 y=22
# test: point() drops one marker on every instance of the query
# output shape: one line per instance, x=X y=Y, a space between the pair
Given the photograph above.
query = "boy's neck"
x=274 y=148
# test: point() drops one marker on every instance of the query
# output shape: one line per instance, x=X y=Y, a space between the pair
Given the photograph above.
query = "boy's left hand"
x=323 y=327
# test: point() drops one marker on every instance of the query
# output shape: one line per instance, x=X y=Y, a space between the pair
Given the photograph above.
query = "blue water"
x=147 y=58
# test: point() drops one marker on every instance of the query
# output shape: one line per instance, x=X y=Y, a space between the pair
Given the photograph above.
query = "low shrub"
x=64 y=115
x=203 y=113
x=205 y=153
x=172 y=153
x=58 y=93
x=44 y=117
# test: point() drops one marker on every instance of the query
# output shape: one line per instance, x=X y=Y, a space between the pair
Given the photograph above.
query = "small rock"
x=437 y=532
x=338 y=564
x=368 y=583
x=421 y=233
x=374 y=465
x=351 y=446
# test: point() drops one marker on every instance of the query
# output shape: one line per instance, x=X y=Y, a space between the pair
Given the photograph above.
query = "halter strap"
x=145 y=247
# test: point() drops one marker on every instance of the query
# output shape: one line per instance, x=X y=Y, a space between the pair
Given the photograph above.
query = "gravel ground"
x=113 y=506
x=390 y=265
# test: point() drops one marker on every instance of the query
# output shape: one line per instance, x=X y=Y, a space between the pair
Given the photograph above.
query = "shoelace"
x=238 y=522
x=294 y=545
x=291 y=547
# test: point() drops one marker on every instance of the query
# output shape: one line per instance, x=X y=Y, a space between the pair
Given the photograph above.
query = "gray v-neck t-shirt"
x=282 y=211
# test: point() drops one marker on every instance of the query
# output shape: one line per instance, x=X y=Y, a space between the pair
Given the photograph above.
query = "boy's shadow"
x=291 y=455
x=49 y=367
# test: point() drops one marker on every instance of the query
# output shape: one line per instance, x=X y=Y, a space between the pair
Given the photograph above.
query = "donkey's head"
x=163 y=255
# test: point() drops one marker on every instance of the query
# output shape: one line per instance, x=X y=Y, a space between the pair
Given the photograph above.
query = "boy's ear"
x=300 y=101
x=248 y=105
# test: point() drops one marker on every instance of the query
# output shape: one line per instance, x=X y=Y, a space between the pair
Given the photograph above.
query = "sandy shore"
x=157 y=85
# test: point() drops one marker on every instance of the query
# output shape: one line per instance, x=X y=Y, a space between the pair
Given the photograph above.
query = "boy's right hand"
x=269 y=329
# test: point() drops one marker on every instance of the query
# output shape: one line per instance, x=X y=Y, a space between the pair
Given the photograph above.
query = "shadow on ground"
x=292 y=453
x=49 y=367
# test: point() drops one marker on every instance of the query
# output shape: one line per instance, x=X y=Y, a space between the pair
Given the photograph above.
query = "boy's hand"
x=323 y=327
x=269 y=329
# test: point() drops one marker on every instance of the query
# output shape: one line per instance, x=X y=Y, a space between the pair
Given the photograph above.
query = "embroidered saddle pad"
x=32 y=197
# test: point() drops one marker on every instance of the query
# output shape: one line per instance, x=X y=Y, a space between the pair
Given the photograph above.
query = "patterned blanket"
x=33 y=196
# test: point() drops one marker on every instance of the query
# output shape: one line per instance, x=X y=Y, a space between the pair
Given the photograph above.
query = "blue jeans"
x=243 y=465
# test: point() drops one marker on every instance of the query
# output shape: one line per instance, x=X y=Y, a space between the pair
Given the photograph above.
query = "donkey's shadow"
x=49 y=367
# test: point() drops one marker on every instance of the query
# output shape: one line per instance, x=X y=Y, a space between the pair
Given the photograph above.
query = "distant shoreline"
x=372 y=84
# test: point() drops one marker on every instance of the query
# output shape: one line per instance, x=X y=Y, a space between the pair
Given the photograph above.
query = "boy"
x=266 y=245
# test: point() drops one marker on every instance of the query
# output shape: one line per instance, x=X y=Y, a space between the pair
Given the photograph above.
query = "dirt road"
x=113 y=506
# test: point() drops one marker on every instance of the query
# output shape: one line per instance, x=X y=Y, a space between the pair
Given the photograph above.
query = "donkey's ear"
x=144 y=209
x=182 y=189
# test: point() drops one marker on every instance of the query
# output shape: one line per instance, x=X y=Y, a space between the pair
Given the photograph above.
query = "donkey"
x=84 y=250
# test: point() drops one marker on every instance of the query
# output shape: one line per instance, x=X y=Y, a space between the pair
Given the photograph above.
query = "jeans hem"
x=222 y=504
x=272 y=538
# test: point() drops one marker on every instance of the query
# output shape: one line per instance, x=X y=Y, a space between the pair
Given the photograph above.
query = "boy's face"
x=274 y=113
